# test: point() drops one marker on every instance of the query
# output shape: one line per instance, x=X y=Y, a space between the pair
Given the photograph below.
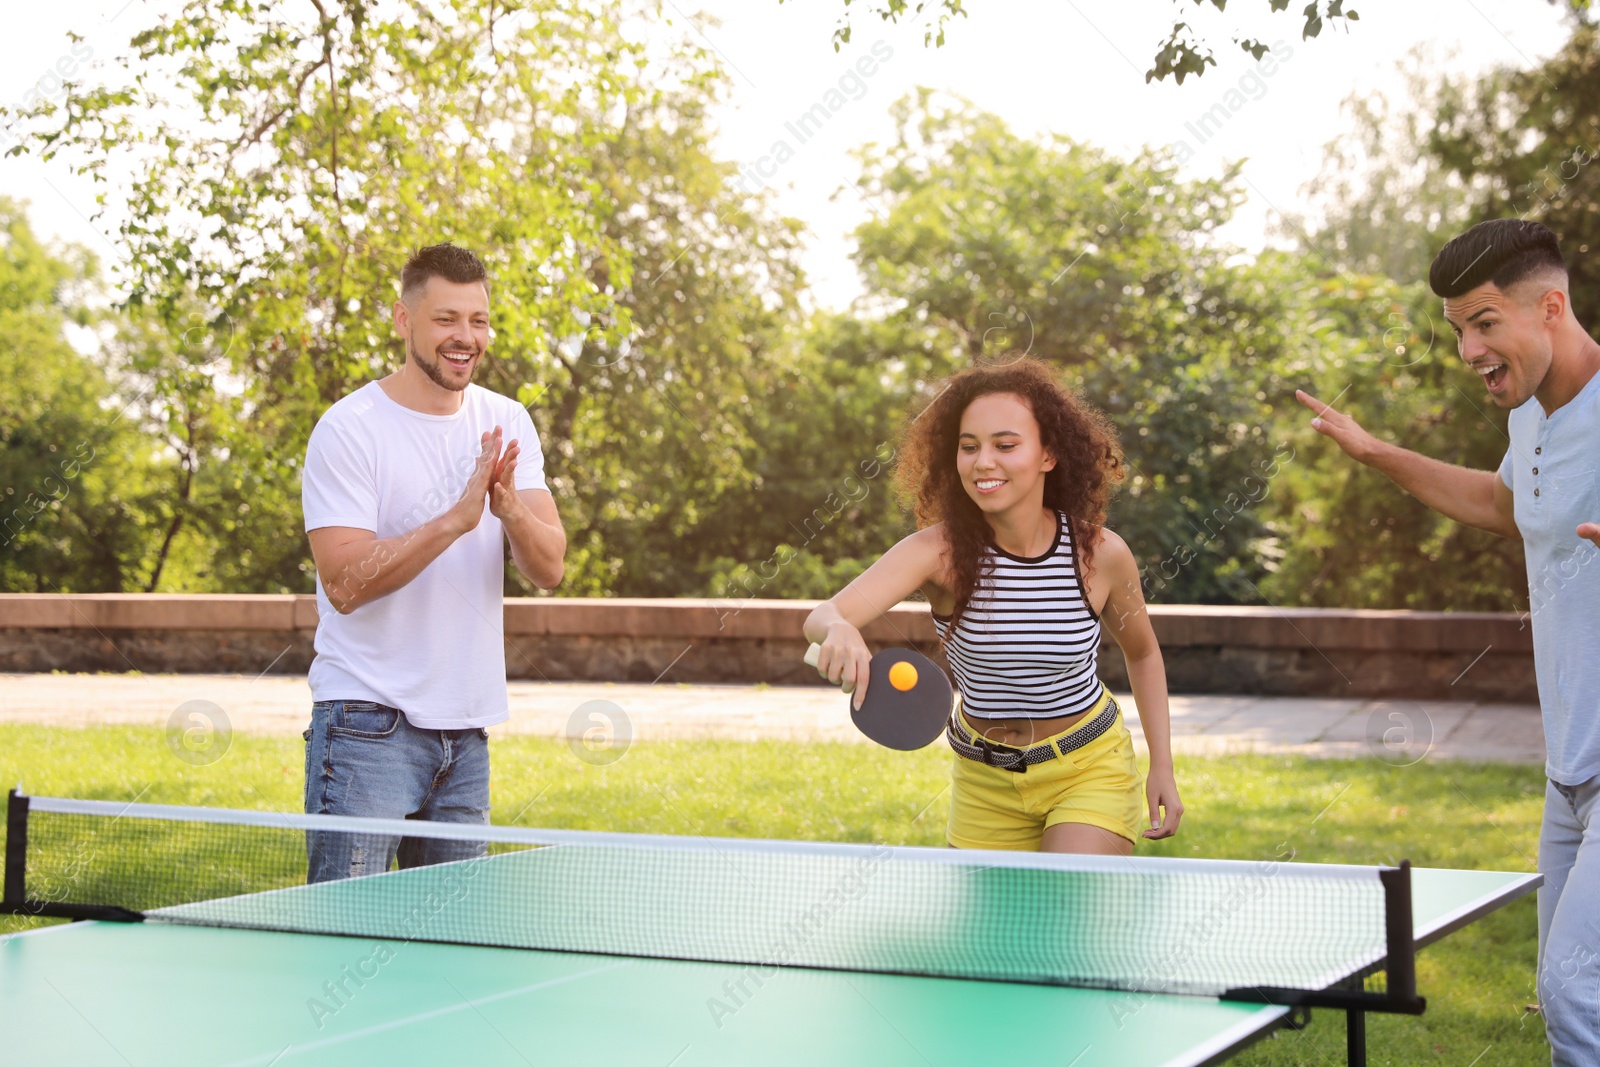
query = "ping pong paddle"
x=908 y=699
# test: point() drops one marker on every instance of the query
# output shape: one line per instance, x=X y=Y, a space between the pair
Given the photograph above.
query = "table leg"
x=1356 y=1038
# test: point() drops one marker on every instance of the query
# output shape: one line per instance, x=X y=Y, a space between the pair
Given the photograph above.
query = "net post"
x=16 y=848
x=14 y=899
x=1355 y=1038
x=1402 y=946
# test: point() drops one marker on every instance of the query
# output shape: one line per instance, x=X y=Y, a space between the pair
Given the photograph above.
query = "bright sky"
x=1074 y=67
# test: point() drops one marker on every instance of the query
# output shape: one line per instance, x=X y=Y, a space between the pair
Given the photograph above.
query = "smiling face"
x=1505 y=336
x=446 y=330
x=1000 y=457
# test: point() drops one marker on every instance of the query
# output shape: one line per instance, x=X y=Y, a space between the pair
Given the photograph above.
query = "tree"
x=76 y=482
x=285 y=168
x=995 y=245
x=1347 y=536
x=265 y=240
x=661 y=437
x=1181 y=54
x=1510 y=143
x=987 y=244
x=1527 y=144
x=1381 y=203
x=823 y=508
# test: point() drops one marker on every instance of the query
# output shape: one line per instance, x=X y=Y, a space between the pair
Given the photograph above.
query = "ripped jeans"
x=365 y=759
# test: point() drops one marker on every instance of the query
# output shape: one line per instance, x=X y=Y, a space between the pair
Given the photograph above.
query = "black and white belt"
x=982 y=750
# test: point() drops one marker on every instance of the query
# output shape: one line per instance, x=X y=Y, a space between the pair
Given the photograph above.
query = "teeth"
x=1486 y=371
x=990 y=483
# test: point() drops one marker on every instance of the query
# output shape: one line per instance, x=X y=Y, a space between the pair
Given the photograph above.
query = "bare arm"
x=1470 y=497
x=357 y=567
x=836 y=623
x=1124 y=617
x=538 y=543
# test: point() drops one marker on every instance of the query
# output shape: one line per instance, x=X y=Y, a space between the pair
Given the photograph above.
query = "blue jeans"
x=1569 y=922
x=365 y=759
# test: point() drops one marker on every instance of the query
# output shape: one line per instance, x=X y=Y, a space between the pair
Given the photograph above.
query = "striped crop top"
x=1027 y=643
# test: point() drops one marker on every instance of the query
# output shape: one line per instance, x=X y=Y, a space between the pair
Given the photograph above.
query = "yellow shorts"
x=1098 y=784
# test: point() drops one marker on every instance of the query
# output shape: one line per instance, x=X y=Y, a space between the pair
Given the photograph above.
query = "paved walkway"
x=1397 y=731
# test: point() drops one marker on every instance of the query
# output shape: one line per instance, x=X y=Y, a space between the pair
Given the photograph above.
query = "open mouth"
x=989 y=485
x=459 y=359
x=1494 y=376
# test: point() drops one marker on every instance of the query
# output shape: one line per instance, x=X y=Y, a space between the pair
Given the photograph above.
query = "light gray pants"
x=1569 y=922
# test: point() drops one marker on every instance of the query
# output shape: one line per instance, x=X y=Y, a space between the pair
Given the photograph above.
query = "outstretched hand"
x=1357 y=443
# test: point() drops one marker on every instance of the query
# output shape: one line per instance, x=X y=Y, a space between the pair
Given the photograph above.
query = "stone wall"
x=1268 y=651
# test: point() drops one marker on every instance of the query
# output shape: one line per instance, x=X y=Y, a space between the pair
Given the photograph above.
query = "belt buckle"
x=991 y=752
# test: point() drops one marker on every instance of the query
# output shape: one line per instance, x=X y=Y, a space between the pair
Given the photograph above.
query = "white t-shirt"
x=434 y=648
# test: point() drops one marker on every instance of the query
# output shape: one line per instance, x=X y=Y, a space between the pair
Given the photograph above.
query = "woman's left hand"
x=1166 y=810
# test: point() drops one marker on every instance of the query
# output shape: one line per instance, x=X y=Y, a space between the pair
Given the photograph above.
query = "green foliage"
x=701 y=436
x=633 y=289
x=891 y=10
x=1349 y=537
x=1179 y=56
x=994 y=245
x=1513 y=143
x=1527 y=143
x=990 y=244
x=1381 y=204
x=660 y=436
x=1182 y=53
x=77 y=483
x=821 y=507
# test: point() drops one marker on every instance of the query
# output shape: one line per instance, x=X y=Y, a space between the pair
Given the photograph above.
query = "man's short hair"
x=446 y=261
x=1502 y=251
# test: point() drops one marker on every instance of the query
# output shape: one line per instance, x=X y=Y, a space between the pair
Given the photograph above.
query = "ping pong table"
x=176 y=989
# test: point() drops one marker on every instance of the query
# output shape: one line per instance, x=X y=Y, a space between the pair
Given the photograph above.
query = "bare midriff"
x=1021 y=733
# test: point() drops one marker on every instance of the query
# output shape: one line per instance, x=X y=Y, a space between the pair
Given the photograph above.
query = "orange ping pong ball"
x=902 y=676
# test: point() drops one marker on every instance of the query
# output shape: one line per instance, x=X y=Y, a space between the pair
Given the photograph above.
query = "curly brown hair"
x=1088 y=466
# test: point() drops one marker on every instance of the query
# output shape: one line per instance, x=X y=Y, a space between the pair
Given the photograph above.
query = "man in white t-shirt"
x=413 y=485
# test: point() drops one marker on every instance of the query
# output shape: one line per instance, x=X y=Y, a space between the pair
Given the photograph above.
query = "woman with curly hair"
x=1011 y=475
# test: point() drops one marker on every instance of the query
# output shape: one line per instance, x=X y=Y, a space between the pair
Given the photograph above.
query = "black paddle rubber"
x=906 y=718
x=910 y=719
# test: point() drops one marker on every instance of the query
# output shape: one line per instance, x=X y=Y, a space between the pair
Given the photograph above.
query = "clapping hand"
x=504 y=503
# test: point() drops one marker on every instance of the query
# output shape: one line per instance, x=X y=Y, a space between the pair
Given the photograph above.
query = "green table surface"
x=137 y=994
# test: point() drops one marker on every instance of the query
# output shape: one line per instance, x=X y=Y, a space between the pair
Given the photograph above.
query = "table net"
x=1139 y=924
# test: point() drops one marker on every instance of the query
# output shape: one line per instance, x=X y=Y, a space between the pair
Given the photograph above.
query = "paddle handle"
x=811 y=655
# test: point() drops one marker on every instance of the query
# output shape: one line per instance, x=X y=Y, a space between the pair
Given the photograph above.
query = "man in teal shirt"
x=1504 y=285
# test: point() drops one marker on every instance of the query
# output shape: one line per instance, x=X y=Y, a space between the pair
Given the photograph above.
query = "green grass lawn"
x=1256 y=807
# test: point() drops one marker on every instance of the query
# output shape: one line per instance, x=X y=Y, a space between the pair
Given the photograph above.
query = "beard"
x=433 y=367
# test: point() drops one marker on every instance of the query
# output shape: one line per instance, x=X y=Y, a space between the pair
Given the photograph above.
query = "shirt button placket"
x=1538 y=450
